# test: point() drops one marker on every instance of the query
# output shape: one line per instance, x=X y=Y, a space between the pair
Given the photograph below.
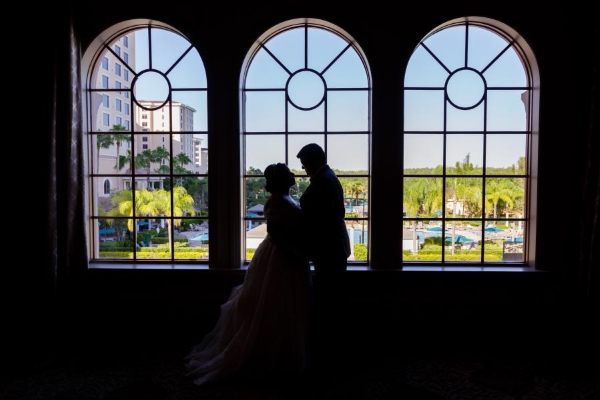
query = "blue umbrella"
x=493 y=229
x=459 y=238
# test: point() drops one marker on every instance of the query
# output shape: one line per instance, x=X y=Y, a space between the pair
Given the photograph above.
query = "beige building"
x=114 y=107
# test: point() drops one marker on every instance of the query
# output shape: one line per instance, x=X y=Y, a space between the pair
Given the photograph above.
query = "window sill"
x=351 y=268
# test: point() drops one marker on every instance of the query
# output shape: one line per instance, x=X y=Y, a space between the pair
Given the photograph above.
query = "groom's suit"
x=323 y=208
x=323 y=212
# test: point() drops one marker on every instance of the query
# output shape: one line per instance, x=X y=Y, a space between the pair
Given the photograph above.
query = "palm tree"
x=496 y=190
x=182 y=204
x=128 y=207
x=127 y=159
x=118 y=139
x=179 y=161
x=103 y=141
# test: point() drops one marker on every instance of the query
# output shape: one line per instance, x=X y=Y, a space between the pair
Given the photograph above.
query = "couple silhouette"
x=280 y=321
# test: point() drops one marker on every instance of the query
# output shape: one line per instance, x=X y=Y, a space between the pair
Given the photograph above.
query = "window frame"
x=529 y=64
x=328 y=135
x=383 y=255
x=90 y=62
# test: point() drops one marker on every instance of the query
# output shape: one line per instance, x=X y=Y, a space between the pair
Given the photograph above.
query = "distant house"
x=410 y=240
x=255 y=236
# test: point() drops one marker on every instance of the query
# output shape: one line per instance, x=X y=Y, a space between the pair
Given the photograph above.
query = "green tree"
x=144 y=160
x=179 y=163
x=255 y=187
x=118 y=139
x=103 y=141
x=182 y=204
x=497 y=190
x=154 y=203
x=127 y=206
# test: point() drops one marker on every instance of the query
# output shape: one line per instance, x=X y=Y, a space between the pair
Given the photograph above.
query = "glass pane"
x=484 y=46
x=348 y=71
x=465 y=120
x=348 y=153
x=514 y=242
x=423 y=197
x=281 y=44
x=151 y=87
x=465 y=88
x=152 y=155
x=191 y=239
x=306 y=89
x=115 y=241
x=265 y=111
x=449 y=46
x=464 y=154
x=348 y=110
x=504 y=196
x=262 y=150
x=110 y=111
x=255 y=196
x=306 y=120
x=424 y=71
x=189 y=71
x=296 y=142
x=255 y=224
x=463 y=197
x=507 y=71
x=323 y=48
x=265 y=72
x=424 y=110
x=462 y=245
x=256 y=231
x=507 y=111
x=423 y=154
x=421 y=242
x=356 y=191
x=506 y=154
x=192 y=106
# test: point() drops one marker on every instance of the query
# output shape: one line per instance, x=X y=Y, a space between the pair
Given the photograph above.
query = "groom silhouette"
x=323 y=210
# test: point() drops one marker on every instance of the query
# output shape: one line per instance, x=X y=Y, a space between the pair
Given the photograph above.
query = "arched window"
x=470 y=146
x=106 y=187
x=146 y=119
x=306 y=81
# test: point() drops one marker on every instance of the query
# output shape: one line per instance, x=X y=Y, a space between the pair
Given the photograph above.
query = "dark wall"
x=147 y=308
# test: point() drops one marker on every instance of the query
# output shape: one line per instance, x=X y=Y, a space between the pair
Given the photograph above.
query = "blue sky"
x=347 y=110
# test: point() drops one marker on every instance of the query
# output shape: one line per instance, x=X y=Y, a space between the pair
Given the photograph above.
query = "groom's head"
x=312 y=158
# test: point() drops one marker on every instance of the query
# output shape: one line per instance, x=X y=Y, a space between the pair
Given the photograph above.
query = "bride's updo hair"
x=279 y=178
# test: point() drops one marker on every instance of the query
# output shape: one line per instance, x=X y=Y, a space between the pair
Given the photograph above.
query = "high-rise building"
x=115 y=111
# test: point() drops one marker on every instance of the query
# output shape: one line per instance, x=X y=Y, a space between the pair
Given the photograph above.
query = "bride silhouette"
x=262 y=330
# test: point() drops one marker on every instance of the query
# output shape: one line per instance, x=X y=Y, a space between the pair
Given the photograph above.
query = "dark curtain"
x=71 y=256
x=47 y=286
x=577 y=329
x=588 y=270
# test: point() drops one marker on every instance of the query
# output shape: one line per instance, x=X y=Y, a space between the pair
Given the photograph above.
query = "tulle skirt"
x=262 y=330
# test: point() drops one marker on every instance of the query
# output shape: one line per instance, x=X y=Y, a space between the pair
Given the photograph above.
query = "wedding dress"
x=262 y=330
